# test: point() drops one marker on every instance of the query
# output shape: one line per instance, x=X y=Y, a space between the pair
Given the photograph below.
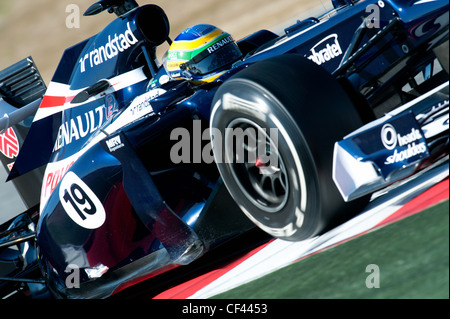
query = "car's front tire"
x=273 y=127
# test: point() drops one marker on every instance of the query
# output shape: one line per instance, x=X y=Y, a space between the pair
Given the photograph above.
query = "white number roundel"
x=80 y=202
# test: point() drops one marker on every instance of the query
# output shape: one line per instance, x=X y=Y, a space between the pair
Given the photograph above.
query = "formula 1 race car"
x=130 y=167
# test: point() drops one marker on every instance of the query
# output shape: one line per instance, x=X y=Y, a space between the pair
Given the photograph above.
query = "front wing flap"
x=393 y=147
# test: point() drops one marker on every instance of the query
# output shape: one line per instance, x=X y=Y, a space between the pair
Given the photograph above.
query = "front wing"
x=394 y=146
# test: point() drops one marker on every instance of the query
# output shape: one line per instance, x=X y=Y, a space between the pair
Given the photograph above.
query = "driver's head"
x=201 y=53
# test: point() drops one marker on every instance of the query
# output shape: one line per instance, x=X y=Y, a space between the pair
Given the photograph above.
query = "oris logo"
x=326 y=49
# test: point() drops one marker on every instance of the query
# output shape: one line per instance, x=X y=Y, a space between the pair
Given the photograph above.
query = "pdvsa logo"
x=326 y=49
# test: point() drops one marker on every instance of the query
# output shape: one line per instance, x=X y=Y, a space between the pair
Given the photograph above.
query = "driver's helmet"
x=201 y=53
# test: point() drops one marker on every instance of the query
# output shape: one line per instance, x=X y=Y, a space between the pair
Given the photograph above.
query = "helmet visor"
x=213 y=62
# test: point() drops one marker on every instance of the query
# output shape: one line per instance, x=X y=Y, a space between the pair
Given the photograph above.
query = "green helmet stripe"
x=187 y=55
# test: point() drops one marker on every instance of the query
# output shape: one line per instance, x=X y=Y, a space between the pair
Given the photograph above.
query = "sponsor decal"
x=389 y=136
x=111 y=107
x=79 y=127
x=433 y=110
x=116 y=44
x=141 y=104
x=114 y=143
x=216 y=46
x=429 y=26
x=412 y=150
x=326 y=49
x=9 y=145
x=52 y=179
x=398 y=144
x=405 y=146
x=172 y=55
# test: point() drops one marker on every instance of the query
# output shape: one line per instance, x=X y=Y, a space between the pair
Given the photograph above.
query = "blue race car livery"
x=128 y=171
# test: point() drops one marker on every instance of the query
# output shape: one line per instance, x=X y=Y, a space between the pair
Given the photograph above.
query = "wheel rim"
x=256 y=164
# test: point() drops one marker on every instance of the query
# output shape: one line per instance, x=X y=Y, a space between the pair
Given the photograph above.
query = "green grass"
x=412 y=256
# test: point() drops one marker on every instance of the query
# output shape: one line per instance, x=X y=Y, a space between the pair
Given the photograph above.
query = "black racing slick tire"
x=273 y=130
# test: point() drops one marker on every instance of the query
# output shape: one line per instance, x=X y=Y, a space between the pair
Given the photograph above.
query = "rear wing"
x=21 y=92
